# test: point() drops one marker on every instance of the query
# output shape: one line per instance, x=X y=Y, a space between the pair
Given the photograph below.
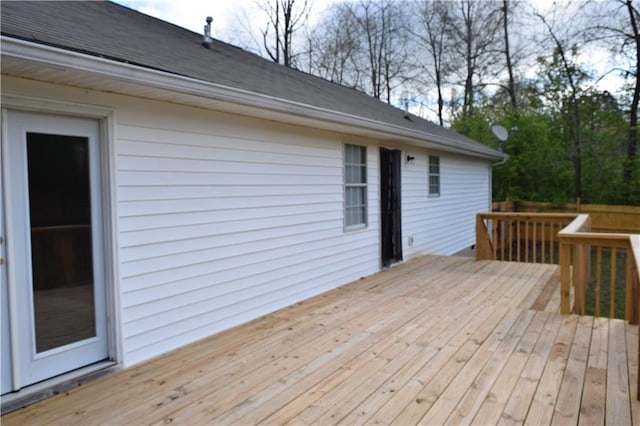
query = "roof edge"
x=58 y=57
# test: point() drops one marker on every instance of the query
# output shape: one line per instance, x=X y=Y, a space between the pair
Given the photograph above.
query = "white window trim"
x=364 y=185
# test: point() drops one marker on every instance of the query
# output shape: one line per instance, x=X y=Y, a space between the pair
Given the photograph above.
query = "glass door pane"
x=61 y=246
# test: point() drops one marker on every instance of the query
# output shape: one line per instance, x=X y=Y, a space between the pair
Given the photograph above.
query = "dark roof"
x=115 y=32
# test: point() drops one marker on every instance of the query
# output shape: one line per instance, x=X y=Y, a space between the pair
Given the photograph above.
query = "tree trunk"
x=468 y=83
x=512 y=88
x=576 y=129
x=577 y=143
x=632 y=143
x=440 y=98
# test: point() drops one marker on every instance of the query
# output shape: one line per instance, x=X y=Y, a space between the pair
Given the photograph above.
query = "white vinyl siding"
x=223 y=219
x=445 y=224
x=355 y=185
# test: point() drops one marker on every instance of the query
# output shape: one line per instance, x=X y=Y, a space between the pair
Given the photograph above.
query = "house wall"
x=222 y=218
x=443 y=224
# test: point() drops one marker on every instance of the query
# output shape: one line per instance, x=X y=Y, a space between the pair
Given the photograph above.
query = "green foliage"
x=603 y=148
x=539 y=164
x=541 y=141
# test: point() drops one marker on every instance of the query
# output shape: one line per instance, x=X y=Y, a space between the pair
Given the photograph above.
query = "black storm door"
x=391 y=226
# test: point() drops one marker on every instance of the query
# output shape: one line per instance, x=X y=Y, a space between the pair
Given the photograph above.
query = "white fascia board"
x=255 y=104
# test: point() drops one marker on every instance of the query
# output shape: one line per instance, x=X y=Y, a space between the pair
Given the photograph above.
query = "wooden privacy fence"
x=604 y=218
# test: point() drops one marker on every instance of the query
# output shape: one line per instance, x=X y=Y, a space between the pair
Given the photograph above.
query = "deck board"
x=436 y=340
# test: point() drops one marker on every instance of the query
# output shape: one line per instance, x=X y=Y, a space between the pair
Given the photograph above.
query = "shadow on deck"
x=434 y=340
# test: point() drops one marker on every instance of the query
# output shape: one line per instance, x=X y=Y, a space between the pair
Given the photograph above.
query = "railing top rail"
x=634 y=239
x=597 y=236
x=580 y=223
x=598 y=240
x=635 y=245
x=567 y=217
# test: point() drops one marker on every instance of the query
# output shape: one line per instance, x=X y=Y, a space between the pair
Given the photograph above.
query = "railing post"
x=633 y=278
x=579 y=278
x=565 y=277
x=484 y=249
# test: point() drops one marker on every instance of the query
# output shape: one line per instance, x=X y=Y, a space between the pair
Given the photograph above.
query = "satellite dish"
x=500 y=132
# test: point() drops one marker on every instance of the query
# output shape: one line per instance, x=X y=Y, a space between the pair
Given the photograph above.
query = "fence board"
x=604 y=218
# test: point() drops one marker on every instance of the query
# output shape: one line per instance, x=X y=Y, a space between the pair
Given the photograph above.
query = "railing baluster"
x=565 y=277
x=526 y=241
x=598 y=279
x=502 y=232
x=552 y=243
x=628 y=305
x=578 y=289
x=612 y=296
x=535 y=244
x=543 y=241
x=510 y=241
x=494 y=231
x=518 y=240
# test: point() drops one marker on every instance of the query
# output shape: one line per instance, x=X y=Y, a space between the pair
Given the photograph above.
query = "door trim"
x=9 y=247
x=106 y=124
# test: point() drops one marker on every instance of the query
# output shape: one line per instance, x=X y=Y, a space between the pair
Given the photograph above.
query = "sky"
x=239 y=22
x=191 y=14
x=233 y=20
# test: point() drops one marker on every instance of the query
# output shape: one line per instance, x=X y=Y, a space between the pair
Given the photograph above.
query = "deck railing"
x=520 y=237
x=576 y=249
x=616 y=261
x=593 y=264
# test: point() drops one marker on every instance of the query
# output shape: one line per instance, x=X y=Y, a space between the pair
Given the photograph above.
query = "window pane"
x=351 y=173
x=61 y=247
x=355 y=179
x=434 y=164
x=355 y=196
x=362 y=154
x=355 y=174
x=350 y=216
x=348 y=154
x=357 y=216
x=349 y=198
x=363 y=174
x=434 y=184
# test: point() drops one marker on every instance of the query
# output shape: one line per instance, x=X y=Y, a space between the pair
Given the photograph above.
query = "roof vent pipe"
x=207 y=40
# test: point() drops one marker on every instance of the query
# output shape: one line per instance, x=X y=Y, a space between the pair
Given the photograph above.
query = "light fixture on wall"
x=410 y=159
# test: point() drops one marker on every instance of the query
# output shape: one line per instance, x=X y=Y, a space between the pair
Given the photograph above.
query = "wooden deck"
x=435 y=340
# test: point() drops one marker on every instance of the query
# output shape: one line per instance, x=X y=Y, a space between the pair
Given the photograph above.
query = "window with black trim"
x=355 y=185
x=434 y=175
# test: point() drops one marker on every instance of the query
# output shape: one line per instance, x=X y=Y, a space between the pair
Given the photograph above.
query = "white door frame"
x=107 y=172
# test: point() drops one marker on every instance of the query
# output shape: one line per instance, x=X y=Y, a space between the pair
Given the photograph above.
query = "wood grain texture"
x=436 y=340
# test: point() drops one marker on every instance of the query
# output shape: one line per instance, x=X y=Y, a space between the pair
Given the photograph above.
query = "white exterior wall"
x=443 y=224
x=222 y=218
